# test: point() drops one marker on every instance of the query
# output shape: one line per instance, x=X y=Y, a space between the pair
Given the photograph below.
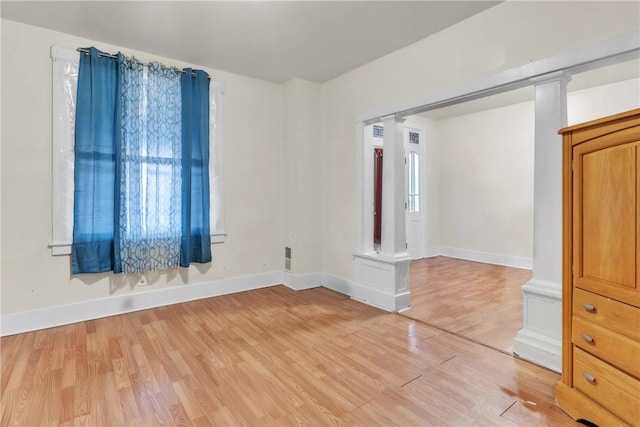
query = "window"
x=64 y=87
x=414 y=182
x=378 y=131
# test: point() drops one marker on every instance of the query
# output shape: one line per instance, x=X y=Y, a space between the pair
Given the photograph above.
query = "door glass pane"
x=414 y=182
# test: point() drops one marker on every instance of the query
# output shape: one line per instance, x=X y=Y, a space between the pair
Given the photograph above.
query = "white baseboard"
x=337 y=284
x=300 y=282
x=539 y=349
x=431 y=251
x=540 y=339
x=486 y=257
x=382 y=300
x=367 y=295
x=49 y=317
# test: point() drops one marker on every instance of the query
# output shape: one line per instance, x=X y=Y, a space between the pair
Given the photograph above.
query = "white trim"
x=218 y=237
x=364 y=202
x=423 y=212
x=615 y=50
x=300 y=282
x=103 y=307
x=60 y=249
x=67 y=54
x=366 y=295
x=48 y=317
x=431 y=251
x=487 y=257
x=540 y=339
x=539 y=349
x=380 y=299
x=216 y=162
x=543 y=288
x=337 y=284
x=64 y=82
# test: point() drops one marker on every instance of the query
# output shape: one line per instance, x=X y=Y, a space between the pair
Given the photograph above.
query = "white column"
x=540 y=338
x=382 y=279
x=394 y=236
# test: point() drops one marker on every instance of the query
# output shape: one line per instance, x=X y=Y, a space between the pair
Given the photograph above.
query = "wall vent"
x=287 y=258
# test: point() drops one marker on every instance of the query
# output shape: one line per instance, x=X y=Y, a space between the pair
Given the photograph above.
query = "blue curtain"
x=94 y=165
x=196 y=238
x=141 y=173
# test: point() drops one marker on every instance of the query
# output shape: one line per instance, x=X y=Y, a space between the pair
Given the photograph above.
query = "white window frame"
x=65 y=64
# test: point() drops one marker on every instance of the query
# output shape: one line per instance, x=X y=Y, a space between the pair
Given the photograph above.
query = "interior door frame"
x=423 y=205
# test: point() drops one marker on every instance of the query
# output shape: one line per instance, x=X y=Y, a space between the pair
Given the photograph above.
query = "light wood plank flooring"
x=267 y=357
x=482 y=302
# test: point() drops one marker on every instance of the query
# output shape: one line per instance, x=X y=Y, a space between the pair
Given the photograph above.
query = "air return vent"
x=287 y=258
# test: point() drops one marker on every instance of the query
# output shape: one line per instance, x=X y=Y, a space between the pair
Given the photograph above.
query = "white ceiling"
x=270 y=40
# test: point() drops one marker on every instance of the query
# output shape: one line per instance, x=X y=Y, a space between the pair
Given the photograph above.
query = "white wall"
x=302 y=172
x=594 y=103
x=505 y=36
x=486 y=181
x=31 y=277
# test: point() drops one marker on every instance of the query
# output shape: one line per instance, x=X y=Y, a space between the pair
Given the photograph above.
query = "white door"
x=413 y=154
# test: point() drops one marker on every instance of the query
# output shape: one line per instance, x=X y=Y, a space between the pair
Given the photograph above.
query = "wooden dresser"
x=601 y=270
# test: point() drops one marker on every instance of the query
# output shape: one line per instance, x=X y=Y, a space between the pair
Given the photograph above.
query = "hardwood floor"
x=481 y=302
x=266 y=357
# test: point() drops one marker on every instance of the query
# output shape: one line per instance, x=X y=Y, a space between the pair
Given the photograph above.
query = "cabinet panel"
x=607 y=186
x=605 y=218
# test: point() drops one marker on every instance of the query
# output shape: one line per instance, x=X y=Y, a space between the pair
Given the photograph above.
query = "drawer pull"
x=588 y=307
x=587 y=338
x=589 y=377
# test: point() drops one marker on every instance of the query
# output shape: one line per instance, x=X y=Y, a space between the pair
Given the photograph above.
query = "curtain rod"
x=108 y=55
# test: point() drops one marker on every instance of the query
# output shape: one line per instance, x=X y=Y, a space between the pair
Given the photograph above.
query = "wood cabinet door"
x=605 y=222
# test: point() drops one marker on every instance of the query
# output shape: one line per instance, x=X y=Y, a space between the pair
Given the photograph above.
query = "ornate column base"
x=383 y=280
x=540 y=339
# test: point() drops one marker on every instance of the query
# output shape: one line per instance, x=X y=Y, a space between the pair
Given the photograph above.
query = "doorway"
x=415 y=211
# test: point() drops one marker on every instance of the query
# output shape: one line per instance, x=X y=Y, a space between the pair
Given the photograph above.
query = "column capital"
x=561 y=75
x=395 y=117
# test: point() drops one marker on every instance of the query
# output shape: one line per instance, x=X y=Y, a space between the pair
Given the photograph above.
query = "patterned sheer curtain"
x=141 y=175
x=149 y=163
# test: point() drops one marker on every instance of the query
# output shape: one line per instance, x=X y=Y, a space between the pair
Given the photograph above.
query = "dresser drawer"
x=613 y=389
x=621 y=351
x=614 y=315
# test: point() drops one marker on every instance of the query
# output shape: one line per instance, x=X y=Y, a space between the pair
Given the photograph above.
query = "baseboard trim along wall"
x=539 y=349
x=49 y=317
x=486 y=257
